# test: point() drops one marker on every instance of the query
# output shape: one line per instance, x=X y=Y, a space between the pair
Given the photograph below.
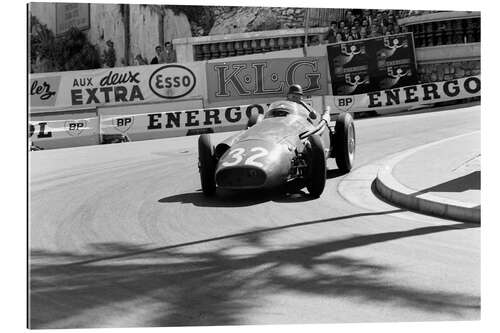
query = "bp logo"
x=344 y=103
x=75 y=127
x=123 y=124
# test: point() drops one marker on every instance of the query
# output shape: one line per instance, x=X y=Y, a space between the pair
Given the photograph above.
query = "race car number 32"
x=237 y=157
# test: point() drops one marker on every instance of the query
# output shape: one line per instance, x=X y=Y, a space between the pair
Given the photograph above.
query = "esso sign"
x=172 y=81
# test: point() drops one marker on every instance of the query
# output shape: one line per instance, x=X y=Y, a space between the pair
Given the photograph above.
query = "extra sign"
x=115 y=86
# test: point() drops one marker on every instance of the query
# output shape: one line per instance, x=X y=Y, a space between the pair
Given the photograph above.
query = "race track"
x=121 y=236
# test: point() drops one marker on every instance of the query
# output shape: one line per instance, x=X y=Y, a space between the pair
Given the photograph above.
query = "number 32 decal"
x=237 y=157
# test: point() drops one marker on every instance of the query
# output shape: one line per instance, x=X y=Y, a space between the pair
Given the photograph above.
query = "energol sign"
x=425 y=93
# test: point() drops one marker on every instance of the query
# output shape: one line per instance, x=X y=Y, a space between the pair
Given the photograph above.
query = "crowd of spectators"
x=163 y=55
x=364 y=23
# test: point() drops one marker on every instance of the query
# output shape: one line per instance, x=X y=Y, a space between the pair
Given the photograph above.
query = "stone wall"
x=144 y=31
x=45 y=13
x=106 y=23
x=149 y=27
x=175 y=26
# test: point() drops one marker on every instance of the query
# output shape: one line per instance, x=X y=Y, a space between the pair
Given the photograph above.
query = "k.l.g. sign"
x=265 y=78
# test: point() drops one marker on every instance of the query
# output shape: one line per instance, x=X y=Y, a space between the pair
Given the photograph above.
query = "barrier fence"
x=155 y=125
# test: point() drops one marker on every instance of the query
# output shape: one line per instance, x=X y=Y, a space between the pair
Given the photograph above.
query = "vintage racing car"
x=288 y=145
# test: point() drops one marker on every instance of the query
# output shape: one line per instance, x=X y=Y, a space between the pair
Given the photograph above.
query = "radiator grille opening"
x=241 y=177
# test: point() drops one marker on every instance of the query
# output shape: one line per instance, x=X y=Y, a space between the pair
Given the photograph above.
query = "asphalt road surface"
x=121 y=236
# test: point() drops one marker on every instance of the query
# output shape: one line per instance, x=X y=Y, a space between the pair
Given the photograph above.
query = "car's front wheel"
x=206 y=164
x=317 y=174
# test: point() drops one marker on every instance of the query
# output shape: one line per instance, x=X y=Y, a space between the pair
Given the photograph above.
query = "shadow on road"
x=185 y=285
x=228 y=198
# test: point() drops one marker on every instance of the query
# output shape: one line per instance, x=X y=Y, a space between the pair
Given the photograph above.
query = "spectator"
x=163 y=56
x=171 y=55
x=366 y=23
x=385 y=16
x=390 y=28
x=370 y=18
x=332 y=32
x=375 y=31
x=156 y=58
x=363 y=33
x=357 y=23
x=109 y=58
x=348 y=18
x=355 y=34
x=339 y=37
x=392 y=19
x=140 y=60
x=345 y=32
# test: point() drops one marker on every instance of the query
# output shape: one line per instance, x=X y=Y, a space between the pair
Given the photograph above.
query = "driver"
x=295 y=94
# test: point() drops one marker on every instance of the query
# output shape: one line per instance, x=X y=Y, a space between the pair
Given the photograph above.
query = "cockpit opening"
x=285 y=108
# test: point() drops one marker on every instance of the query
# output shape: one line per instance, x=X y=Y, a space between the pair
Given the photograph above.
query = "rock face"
x=175 y=26
x=230 y=20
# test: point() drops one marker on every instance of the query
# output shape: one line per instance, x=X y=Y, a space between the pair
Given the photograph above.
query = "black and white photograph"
x=214 y=165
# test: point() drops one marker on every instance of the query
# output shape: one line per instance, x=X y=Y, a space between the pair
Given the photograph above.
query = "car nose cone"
x=253 y=163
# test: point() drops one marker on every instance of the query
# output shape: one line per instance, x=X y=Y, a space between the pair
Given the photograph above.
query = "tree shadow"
x=184 y=285
x=471 y=181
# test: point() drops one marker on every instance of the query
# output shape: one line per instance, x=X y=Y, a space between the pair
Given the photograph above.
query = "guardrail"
x=123 y=127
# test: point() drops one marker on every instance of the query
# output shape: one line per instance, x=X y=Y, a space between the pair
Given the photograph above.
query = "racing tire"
x=317 y=180
x=344 y=142
x=254 y=119
x=206 y=164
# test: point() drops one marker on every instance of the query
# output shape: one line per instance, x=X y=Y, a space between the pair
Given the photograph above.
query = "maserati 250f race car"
x=288 y=145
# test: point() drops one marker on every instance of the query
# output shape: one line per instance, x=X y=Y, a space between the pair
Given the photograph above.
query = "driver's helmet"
x=295 y=93
x=285 y=108
x=295 y=89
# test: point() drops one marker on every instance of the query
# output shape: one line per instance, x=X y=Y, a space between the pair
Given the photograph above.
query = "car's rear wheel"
x=206 y=164
x=317 y=175
x=344 y=142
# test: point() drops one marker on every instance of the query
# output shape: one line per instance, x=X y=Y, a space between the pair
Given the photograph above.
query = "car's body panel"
x=263 y=155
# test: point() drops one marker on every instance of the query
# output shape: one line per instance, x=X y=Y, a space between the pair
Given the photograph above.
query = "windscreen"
x=285 y=108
